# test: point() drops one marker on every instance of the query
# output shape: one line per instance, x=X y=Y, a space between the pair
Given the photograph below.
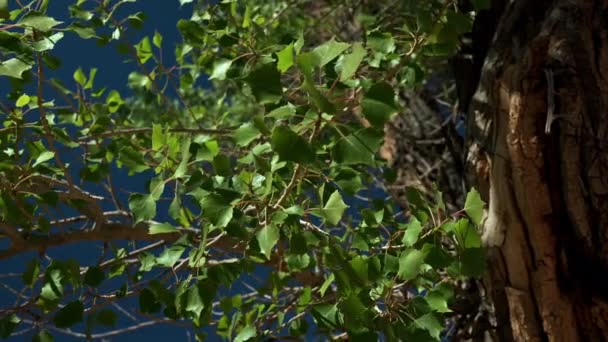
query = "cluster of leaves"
x=252 y=221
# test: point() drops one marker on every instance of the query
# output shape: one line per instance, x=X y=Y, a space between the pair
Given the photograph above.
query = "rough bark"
x=545 y=180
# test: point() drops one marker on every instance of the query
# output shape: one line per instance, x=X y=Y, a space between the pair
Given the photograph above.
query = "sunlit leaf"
x=474 y=205
x=334 y=208
x=267 y=238
x=39 y=21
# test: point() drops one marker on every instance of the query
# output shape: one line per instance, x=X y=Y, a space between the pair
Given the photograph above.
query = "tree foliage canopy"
x=263 y=214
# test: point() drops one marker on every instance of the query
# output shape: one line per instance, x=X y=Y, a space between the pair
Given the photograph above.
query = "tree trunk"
x=537 y=143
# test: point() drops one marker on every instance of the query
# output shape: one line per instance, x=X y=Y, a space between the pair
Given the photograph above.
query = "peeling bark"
x=547 y=221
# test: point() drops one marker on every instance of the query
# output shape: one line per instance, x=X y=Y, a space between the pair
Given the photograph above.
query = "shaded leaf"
x=107 y=318
x=473 y=261
x=290 y=146
x=358 y=148
x=378 y=105
x=265 y=84
x=69 y=315
x=217 y=210
x=8 y=323
x=43 y=336
x=30 y=276
x=94 y=276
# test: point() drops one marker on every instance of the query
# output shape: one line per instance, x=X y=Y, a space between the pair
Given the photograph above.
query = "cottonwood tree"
x=265 y=212
x=536 y=150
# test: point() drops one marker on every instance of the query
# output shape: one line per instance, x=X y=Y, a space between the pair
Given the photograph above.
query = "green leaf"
x=290 y=146
x=44 y=156
x=69 y=315
x=8 y=323
x=142 y=206
x=430 y=323
x=294 y=210
x=14 y=68
x=246 y=334
x=92 y=73
x=43 y=336
x=4 y=13
x=348 y=64
x=170 y=256
x=82 y=31
x=284 y=112
x=80 y=77
x=473 y=261
x=148 y=302
x=359 y=147
x=459 y=23
x=481 y=4
x=467 y=234
x=162 y=228
x=30 y=276
x=378 y=105
x=334 y=208
x=220 y=68
x=354 y=310
x=285 y=58
x=326 y=284
x=409 y=263
x=47 y=43
x=217 y=210
x=144 y=50
x=328 y=52
x=157 y=40
x=39 y=21
x=94 y=276
x=267 y=238
x=473 y=206
x=107 y=318
x=114 y=101
x=326 y=315
x=265 y=84
x=222 y=165
x=438 y=300
x=23 y=100
x=381 y=42
x=245 y=134
x=52 y=288
x=414 y=227
x=194 y=302
x=158 y=137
